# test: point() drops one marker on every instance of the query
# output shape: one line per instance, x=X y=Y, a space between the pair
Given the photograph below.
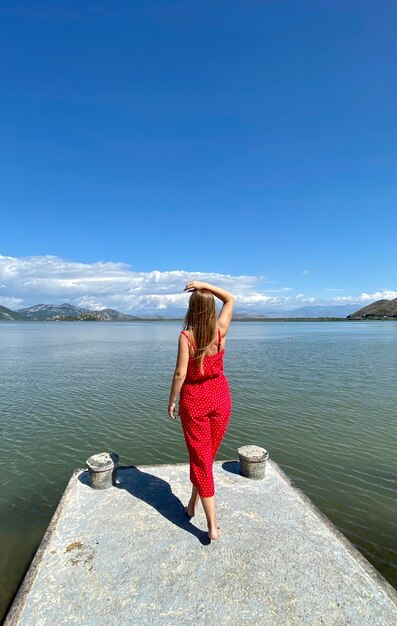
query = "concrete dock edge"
x=19 y=600
x=235 y=487
x=356 y=554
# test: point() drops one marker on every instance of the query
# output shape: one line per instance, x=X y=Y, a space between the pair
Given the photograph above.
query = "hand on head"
x=193 y=285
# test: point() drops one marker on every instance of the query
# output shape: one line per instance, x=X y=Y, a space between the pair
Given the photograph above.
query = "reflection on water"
x=321 y=397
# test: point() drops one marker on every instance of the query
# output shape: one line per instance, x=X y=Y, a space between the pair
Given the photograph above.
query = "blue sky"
x=230 y=140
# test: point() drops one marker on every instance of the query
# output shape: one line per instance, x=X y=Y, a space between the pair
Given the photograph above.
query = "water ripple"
x=323 y=403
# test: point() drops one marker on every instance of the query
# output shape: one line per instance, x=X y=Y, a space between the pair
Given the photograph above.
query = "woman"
x=205 y=402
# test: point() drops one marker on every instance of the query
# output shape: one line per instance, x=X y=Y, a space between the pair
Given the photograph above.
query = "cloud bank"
x=49 y=279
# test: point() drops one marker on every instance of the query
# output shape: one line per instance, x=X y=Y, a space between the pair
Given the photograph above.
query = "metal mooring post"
x=102 y=469
x=253 y=461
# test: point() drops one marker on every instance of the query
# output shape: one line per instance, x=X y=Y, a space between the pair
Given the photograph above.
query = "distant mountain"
x=112 y=314
x=8 y=315
x=248 y=316
x=337 y=310
x=381 y=309
x=107 y=315
x=69 y=312
x=47 y=311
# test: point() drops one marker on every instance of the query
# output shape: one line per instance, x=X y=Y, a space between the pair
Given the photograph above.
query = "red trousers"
x=203 y=436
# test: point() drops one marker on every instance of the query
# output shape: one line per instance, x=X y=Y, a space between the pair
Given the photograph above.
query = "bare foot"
x=215 y=533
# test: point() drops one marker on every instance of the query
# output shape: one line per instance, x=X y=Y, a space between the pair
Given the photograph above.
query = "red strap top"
x=193 y=344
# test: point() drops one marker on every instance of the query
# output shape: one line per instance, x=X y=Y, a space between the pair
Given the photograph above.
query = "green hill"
x=8 y=315
x=379 y=310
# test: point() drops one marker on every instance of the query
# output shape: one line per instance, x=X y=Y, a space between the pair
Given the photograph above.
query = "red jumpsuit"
x=204 y=408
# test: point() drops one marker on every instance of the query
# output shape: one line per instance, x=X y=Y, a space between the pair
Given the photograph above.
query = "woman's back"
x=217 y=345
x=205 y=390
x=204 y=394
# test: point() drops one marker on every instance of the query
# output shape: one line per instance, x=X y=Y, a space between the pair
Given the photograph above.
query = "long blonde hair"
x=201 y=320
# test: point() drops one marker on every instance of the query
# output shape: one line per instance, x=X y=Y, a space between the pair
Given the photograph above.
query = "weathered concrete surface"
x=129 y=555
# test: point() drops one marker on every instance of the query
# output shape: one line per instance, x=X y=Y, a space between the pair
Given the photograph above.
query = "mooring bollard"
x=253 y=461
x=102 y=469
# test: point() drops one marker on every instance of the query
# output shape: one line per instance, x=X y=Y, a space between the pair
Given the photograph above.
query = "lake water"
x=321 y=397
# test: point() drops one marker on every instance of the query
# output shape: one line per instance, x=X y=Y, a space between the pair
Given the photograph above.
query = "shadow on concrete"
x=84 y=477
x=232 y=466
x=157 y=493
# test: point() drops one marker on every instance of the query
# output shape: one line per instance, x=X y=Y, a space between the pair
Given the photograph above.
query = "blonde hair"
x=201 y=320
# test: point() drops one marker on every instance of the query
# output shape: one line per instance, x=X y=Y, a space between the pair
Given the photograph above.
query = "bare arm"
x=225 y=316
x=179 y=374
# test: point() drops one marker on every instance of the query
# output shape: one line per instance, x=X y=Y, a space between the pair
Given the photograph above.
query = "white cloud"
x=53 y=280
x=366 y=298
x=11 y=303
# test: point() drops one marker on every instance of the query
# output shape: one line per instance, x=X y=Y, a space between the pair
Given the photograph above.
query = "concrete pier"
x=128 y=555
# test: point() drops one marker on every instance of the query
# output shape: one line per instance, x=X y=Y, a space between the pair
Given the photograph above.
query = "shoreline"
x=245 y=319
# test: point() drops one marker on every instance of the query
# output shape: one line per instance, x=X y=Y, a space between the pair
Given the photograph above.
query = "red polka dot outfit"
x=204 y=407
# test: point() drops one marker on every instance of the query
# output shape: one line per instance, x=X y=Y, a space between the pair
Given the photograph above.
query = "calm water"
x=324 y=403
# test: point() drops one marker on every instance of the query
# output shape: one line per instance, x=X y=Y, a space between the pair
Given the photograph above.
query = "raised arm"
x=225 y=316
